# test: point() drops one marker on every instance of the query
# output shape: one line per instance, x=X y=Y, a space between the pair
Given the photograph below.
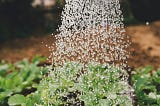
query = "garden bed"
x=26 y=84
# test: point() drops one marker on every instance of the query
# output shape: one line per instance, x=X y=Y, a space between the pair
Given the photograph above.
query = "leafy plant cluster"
x=20 y=78
x=71 y=86
x=147 y=86
x=23 y=84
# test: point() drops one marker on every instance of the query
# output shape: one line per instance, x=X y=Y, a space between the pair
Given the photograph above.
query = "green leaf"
x=5 y=94
x=17 y=100
x=9 y=84
x=35 y=97
x=3 y=69
x=158 y=72
x=103 y=102
x=139 y=83
x=37 y=59
x=147 y=69
x=29 y=102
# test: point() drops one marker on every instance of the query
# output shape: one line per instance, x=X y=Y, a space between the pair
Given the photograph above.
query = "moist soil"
x=145 y=47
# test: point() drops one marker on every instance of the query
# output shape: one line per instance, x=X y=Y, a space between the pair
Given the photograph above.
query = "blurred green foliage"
x=21 y=77
x=97 y=86
x=147 y=86
x=23 y=83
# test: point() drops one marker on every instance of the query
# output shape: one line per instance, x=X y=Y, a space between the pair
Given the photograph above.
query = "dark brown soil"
x=145 y=48
x=19 y=49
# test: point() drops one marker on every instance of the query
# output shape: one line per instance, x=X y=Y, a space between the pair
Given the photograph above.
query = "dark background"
x=19 y=19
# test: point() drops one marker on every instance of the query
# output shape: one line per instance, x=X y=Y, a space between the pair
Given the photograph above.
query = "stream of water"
x=91 y=31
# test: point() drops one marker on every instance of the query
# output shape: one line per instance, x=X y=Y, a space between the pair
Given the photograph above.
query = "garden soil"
x=145 y=47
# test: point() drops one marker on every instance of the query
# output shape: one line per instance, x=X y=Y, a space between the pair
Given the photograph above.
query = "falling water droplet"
x=83 y=30
x=147 y=23
x=92 y=31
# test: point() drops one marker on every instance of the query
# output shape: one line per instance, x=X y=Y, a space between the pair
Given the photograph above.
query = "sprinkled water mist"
x=91 y=31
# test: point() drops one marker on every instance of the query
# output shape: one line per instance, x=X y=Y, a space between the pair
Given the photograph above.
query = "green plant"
x=95 y=85
x=147 y=86
x=19 y=78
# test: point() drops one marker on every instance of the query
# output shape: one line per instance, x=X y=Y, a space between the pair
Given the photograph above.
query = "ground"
x=145 y=48
x=145 y=44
